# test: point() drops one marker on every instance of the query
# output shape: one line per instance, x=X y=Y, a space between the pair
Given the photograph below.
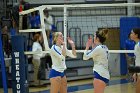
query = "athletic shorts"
x=97 y=76
x=54 y=73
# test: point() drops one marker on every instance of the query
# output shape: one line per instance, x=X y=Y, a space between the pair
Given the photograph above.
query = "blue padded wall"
x=126 y=25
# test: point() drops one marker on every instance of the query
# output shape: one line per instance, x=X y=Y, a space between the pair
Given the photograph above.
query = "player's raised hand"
x=89 y=42
x=70 y=41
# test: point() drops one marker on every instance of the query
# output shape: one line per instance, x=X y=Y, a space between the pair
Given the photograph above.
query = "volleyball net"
x=80 y=21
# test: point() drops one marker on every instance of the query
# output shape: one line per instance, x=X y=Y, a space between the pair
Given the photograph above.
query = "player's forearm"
x=73 y=50
x=64 y=50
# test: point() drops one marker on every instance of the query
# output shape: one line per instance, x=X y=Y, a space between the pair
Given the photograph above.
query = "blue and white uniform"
x=58 y=61
x=137 y=54
x=100 y=58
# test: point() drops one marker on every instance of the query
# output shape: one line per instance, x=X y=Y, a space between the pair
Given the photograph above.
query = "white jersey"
x=48 y=22
x=58 y=60
x=137 y=54
x=37 y=48
x=100 y=58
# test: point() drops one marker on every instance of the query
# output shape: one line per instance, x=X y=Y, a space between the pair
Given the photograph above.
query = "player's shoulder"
x=103 y=46
x=139 y=43
x=55 y=47
x=100 y=47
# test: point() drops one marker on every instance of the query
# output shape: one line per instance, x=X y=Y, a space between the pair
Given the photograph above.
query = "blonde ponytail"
x=55 y=37
x=104 y=33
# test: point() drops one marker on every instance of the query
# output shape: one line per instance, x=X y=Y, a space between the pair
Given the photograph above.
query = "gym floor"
x=116 y=85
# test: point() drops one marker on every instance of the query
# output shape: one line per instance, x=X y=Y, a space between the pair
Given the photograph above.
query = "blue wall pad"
x=126 y=25
x=19 y=65
x=2 y=62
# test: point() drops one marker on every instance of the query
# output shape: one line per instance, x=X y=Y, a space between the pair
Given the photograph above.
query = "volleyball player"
x=99 y=53
x=58 y=53
x=135 y=35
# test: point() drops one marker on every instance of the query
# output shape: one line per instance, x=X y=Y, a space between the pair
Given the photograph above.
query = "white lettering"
x=17 y=74
x=16 y=54
x=18 y=78
x=17 y=71
x=17 y=61
x=18 y=91
x=17 y=67
x=18 y=86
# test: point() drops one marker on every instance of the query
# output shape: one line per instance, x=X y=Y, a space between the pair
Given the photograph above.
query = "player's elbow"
x=85 y=58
